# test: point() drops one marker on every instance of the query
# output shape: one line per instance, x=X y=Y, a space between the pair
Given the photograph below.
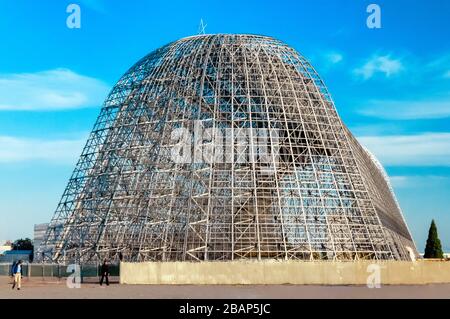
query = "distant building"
x=5 y=245
x=39 y=235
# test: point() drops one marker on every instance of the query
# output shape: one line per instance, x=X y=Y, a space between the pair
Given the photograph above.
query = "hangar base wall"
x=286 y=272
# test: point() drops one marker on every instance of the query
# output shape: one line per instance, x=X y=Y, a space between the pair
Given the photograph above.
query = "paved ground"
x=52 y=289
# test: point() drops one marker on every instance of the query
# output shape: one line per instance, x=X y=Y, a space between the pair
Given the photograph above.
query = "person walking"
x=17 y=274
x=105 y=273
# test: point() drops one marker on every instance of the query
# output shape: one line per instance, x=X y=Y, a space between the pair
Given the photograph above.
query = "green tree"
x=433 y=248
x=23 y=244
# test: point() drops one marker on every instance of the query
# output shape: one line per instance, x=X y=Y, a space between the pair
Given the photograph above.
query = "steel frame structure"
x=328 y=199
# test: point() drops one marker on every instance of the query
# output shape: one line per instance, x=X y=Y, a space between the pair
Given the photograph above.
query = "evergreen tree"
x=433 y=248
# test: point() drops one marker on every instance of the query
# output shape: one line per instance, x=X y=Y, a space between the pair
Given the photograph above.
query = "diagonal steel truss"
x=327 y=198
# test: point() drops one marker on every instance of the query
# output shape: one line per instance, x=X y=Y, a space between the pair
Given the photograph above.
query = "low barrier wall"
x=286 y=272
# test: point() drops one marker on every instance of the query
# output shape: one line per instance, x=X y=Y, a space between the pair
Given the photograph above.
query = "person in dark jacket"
x=105 y=273
x=17 y=274
x=11 y=272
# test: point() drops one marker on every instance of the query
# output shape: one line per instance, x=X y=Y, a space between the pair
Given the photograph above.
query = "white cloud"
x=379 y=64
x=14 y=149
x=425 y=93
x=428 y=149
x=440 y=65
x=408 y=109
x=375 y=129
x=50 y=90
x=325 y=60
x=334 y=57
x=414 y=181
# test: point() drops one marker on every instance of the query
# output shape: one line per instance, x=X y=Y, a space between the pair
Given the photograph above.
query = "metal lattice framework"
x=326 y=198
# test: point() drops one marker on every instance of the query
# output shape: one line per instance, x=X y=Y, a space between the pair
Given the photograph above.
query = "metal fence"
x=57 y=271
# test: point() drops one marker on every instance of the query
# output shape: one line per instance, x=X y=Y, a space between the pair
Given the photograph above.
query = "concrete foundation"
x=286 y=272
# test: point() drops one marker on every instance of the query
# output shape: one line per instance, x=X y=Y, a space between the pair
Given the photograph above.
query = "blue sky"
x=390 y=85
